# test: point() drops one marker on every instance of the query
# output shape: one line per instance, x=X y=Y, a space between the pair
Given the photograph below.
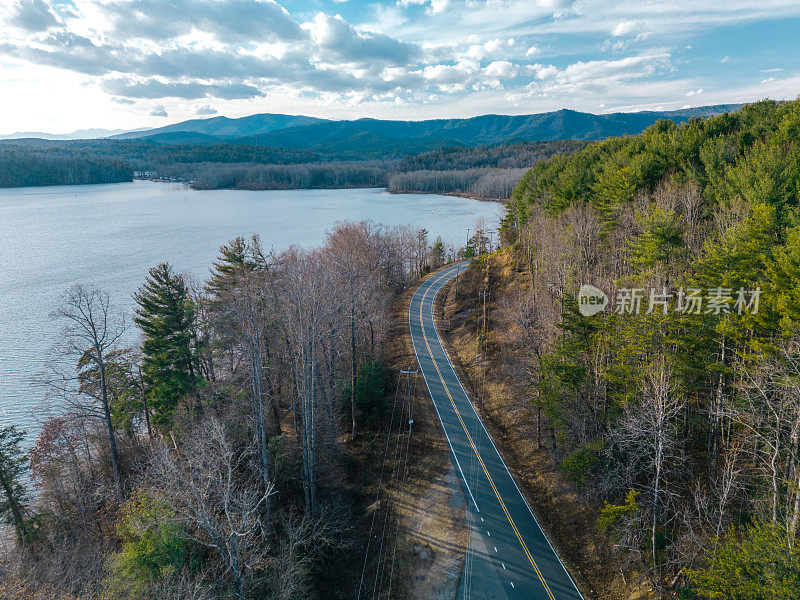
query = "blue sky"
x=70 y=64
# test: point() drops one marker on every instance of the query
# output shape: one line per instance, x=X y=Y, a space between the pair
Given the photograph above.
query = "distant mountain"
x=374 y=138
x=224 y=128
x=81 y=134
x=486 y=129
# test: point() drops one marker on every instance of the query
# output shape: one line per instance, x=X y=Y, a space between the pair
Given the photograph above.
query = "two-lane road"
x=524 y=563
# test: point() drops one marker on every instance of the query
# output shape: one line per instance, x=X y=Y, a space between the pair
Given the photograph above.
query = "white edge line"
x=433 y=317
x=441 y=422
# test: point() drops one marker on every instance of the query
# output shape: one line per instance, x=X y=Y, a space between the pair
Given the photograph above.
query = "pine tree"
x=166 y=316
x=13 y=466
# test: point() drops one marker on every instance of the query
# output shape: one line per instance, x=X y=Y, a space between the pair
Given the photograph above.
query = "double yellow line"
x=472 y=443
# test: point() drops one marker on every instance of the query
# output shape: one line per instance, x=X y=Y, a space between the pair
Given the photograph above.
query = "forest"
x=489 y=172
x=223 y=456
x=32 y=167
x=675 y=411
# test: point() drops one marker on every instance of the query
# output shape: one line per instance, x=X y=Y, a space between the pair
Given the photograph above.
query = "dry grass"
x=496 y=380
x=428 y=502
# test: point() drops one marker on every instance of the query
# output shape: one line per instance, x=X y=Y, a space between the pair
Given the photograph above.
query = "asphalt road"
x=516 y=558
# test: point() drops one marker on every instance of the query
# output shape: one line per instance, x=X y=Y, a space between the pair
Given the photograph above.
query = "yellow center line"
x=474 y=448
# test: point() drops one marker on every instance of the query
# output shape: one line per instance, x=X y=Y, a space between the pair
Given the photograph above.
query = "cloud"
x=501 y=69
x=337 y=38
x=596 y=78
x=33 y=16
x=206 y=110
x=159 y=111
x=152 y=89
x=432 y=6
x=696 y=92
x=623 y=28
x=226 y=20
x=184 y=54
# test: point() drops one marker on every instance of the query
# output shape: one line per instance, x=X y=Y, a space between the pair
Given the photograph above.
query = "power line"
x=378 y=493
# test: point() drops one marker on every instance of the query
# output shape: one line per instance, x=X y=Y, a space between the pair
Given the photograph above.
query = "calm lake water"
x=110 y=235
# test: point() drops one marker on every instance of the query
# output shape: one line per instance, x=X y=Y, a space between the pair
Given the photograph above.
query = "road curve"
x=524 y=562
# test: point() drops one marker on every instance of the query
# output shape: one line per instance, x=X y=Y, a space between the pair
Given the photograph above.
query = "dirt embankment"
x=498 y=379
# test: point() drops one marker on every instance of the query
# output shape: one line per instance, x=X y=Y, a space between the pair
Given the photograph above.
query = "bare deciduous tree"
x=90 y=338
x=216 y=504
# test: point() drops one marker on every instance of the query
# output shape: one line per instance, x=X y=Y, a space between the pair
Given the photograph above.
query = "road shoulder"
x=428 y=504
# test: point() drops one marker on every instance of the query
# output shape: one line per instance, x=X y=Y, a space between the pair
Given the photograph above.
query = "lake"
x=110 y=235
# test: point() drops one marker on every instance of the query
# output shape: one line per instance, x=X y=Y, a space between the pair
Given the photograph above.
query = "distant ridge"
x=364 y=138
x=224 y=127
x=81 y=134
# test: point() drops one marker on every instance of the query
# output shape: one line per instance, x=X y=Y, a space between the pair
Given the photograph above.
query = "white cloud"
x=501 y=69
x=696 y=92
x=433 y=6
x=493 y=45
x=117 y=58
x=159 y=111
x=623 y=28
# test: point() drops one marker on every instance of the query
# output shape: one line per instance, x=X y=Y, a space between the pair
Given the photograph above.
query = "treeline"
x=22 y=167
x=147 y=155
x=483 y=172
x=279 y=177
x=495 y=184
x=678 y=406
x=513 y=156
x=220 y=458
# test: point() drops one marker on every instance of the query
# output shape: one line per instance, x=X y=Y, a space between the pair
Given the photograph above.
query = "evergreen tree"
x=13 y=466
x=166 y=316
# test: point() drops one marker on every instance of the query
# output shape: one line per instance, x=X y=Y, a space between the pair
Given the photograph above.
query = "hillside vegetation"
x=682 y=421
x=484 y=172
x=241 y=153
x=28 y=167
x=253 y=446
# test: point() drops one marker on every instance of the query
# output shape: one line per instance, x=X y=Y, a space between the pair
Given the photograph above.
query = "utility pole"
x=484 y=295
x=491 y=240
x=409 y=373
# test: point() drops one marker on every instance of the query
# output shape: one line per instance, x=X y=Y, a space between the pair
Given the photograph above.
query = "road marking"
x=489 y=534
x=449 y=443
x=469 y=437
x=495 y=548
x=512 y=583
x=504 y=566
x=530 y=510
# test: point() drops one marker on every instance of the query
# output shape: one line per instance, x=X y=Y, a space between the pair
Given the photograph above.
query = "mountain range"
x=375 y=138
x=80 y=134
x=371 y=138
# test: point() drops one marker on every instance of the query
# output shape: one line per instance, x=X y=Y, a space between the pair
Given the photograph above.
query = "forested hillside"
x=221 y=152
x=27 y=167
x=677 y=408
x=238 y=450
x=483 y=172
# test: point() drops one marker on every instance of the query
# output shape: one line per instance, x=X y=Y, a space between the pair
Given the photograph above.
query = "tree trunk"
x=112 y=438
x=353 y=367
x=16 y=510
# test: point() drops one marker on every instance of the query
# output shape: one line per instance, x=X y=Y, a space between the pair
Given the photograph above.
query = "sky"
x=125 y=64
